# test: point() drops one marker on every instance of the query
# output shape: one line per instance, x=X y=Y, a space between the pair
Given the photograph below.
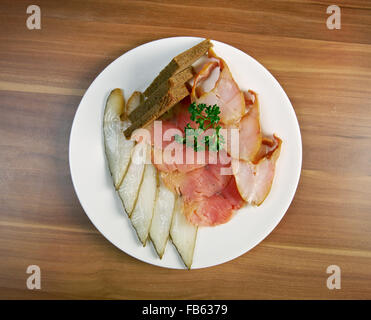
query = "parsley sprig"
x=207 y=117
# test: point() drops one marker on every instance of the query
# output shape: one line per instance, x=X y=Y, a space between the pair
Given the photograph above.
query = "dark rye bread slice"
x=174 y=95
x=181 y=77
x=174 y=81
x=179 y=63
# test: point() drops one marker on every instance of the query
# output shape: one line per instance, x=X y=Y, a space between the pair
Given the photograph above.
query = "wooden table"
x=326 y=74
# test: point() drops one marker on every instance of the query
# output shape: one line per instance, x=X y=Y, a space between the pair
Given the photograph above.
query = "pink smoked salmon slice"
x=197 y=183
x=210 y=198
x=216 y=209
x=167 y=154
x=182 y=116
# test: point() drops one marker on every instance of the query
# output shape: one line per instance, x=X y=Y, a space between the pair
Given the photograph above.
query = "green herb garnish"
x=206 y=118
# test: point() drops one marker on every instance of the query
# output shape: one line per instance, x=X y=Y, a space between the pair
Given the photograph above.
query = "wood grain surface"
x=327 y=76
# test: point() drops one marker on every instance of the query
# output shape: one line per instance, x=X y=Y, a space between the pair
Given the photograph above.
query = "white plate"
x=134 y=70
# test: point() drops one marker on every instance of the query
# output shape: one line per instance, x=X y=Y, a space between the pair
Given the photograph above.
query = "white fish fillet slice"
x=162 y=216
x=117 y=147
x=183 y=234
x=142 y=214
x=130 y=185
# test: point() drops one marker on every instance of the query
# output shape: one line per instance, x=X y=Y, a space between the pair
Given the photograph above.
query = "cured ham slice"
x=254 y=180
x=248 y=131
x=199 y=87
x=226 y=93
x=250 y=137
x=267 y=147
